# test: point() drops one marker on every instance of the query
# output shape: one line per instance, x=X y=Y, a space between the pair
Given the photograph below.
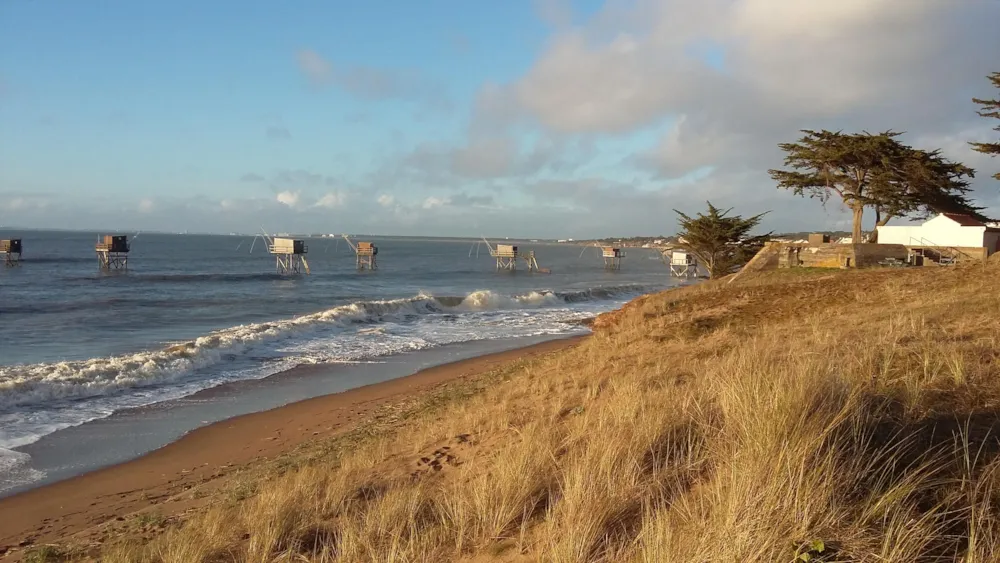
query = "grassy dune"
x=794 y=416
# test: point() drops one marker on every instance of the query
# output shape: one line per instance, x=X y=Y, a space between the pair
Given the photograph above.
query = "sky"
x=545 y=118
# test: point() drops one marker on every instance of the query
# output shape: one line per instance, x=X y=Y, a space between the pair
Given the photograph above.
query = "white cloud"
x=146 y=206
x=332 y=200
x=722 y=82
x=24 y=202
x=637 y=62
x=602 y=132
x=434 y=202
x=289 y=198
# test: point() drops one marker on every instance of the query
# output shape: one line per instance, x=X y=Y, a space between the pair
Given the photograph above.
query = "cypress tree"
x=990 y=109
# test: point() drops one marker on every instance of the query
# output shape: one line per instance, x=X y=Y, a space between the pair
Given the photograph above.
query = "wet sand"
x=208 y=454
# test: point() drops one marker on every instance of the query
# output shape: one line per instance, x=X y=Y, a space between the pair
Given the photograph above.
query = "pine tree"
x=990 y=109
x=720 y=243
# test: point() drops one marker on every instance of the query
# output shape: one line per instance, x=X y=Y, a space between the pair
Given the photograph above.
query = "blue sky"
x=139 y=93
x=545 y=118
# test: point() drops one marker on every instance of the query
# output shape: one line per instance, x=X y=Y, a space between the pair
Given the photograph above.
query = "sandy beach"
x=206 y=457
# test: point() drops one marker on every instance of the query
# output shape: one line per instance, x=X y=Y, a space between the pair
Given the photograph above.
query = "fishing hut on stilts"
x=683 y=264
x=366 y=253
x=507 y=256
x=11 y=250
x=289 y=255
x=112 y=252
x=612 y=257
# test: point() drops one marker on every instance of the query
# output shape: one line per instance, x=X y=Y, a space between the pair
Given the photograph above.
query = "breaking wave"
x=28 y=385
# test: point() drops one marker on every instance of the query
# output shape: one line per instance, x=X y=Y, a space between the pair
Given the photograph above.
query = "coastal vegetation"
x=990 y=109
x=876 y=171
x=721 y=242
x=797 y=415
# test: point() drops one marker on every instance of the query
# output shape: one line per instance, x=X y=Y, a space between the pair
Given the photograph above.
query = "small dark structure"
x=11 y=250
x=818 y=238
x=112 y=252
x=289 y=255
x=612 y=257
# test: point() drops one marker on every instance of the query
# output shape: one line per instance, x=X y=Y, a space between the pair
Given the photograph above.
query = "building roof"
x=964 y=220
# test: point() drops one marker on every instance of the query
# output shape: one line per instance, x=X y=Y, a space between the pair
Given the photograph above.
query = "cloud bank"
x=639 y=108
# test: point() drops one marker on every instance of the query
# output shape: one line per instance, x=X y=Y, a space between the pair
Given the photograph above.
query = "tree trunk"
x=881 y=221
x=856 y=227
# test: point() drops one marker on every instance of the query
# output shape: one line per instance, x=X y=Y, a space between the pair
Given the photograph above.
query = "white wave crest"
x=37 y=384
x=24 y=385
x=490 y=300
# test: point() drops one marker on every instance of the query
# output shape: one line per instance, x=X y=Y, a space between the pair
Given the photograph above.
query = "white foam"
x=38 y=399
x=15 y=470
x=26 y=385
x=490 y=300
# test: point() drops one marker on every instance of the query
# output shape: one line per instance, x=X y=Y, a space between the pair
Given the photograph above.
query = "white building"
x=950 y=230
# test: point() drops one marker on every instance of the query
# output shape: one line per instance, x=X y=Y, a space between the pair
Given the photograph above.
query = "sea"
x=193 y=312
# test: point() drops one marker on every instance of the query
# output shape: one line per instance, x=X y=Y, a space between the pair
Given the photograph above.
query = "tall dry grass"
x=828 y=416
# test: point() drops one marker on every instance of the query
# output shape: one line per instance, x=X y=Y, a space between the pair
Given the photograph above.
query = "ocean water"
x=196 y=311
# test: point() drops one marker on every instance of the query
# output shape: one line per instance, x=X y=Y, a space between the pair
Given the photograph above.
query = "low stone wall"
x=765 y=259
x=824 y=255
x=830 y=255
x=870 y=255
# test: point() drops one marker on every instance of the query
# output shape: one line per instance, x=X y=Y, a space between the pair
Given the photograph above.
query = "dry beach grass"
x=790 y=416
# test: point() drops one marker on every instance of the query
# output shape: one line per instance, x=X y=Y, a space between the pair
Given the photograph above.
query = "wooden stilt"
x=11 y=250
x=366 y=254
x=612 y=257
x=112 y=252
x=683 y=265
x=289 y=256
x=507 y=255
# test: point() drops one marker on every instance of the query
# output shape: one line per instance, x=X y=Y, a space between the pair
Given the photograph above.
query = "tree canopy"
x=990 y=109
x=720 y=242
x=921 y=183
x=876 y=171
